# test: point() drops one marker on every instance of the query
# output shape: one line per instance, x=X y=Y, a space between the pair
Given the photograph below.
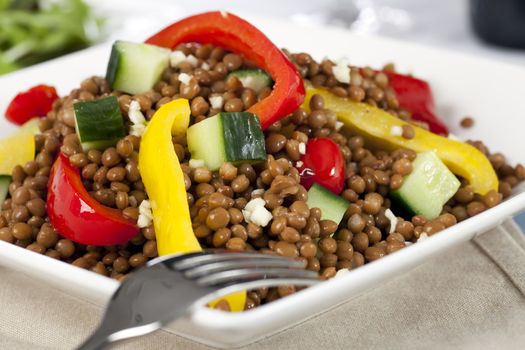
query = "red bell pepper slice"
x=233 y=33
x=415 y=96
x=35 y=102
x=79 y=217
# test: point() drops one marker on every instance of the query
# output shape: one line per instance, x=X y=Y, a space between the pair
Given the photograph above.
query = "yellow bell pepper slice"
x=164 y=181
x=19 y=147
x=375 y=125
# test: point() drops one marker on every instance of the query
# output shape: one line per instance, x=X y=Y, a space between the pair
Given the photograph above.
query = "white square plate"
x=487 y=90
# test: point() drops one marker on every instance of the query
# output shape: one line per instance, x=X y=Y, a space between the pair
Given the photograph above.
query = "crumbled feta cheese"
x=299 y=164
x=246 y=81
x=216 y=102
x=396 y=130
x=196 y=163
x=257 y=193
x=341 y=71
x=302 y=148
x=145 y=214
x=194 y=61
x=422 y=237
x=137 y=130
x=261 y=216
x=451 y=136
x=205 y=66
x=393 y=220
x=176 y=58
x=224 y=13
x=184 y=78
x=338 y=125
x=256 y=212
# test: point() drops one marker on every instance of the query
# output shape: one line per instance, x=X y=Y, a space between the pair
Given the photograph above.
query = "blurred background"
x=35 y=30
x=32 y=31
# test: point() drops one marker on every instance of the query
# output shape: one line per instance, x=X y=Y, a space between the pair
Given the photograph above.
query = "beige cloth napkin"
x=471 y=297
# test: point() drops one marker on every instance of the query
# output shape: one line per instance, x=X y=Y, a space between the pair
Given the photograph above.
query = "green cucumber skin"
x=244 y=140
x=134 y=68
x=333 y=207
x=428 y=188
x=259 y=78
x=99 y=123
x=4 y=187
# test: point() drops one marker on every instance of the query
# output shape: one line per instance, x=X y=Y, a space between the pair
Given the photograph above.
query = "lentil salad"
x=216 y=198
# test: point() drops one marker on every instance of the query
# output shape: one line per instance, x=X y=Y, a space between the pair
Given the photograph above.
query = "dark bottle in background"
x=500 y=22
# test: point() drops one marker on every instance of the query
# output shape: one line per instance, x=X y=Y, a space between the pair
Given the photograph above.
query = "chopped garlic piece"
x=184 y=78
x=341 y=71
x=302 y=148
x=338 y=125
x=196 y=163
x=176 y=58
x=216 y=102
x=393 y=220
x=422 y=237
x=396 y=130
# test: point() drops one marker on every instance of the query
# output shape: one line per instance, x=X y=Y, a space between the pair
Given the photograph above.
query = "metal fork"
x=171 y=287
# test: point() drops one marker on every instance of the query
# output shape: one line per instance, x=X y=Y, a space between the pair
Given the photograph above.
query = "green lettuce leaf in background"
x=32 y=31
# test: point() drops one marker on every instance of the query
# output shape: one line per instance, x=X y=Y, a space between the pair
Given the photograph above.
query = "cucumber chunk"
x=4 y=187
x=255 y=79
x=332 y=206
x=99 y=123
x=134 y=68
x=234 y=137
x=430 y=185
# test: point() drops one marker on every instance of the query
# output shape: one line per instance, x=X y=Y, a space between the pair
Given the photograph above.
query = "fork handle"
x=97 y=341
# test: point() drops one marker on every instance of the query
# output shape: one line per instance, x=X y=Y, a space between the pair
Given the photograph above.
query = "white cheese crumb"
x=205 y=66
x=451 y=136
x=145 y=214
x=255 y=212
x=247 y=82
x=216 y=102
x=393 y=220
x=299 y=164
x=184 y=78
x=396 y=130
x=341 y=273
x=257 y=193
x=137 y=118
x=422 y=237
x=338 y=125
x=261 y=216
x=194 y=61
x=176 y=58
x=137 y=130
x=341 y=71
x=196 y=163
x=224 y=14
x=302 y=148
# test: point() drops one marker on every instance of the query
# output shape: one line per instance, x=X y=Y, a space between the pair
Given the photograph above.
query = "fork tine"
x=225 y=278
x=199 y=271
x=209 y=258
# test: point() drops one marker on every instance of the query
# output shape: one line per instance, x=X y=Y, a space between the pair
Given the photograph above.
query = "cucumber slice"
x=255 y=79
x=134 y=68
x=99 y=123
x=428 y=187
x=234 y=137
x=332 y=206
x=4 y=187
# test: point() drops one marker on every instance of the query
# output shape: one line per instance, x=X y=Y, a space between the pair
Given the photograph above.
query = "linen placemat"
x=470 y=297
